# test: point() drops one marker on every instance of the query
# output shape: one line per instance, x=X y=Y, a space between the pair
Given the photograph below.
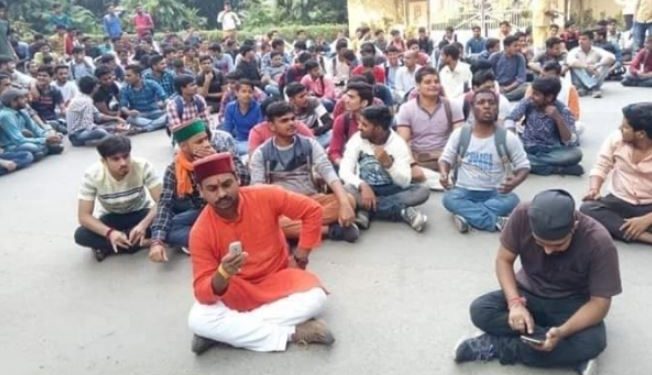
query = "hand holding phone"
x=235 y=248
x=535 y=340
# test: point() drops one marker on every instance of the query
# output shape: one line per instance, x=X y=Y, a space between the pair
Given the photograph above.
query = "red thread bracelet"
x=108 y=233
x=516 y=300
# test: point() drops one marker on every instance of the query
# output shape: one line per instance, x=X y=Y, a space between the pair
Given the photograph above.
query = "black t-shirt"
x=47 y=102
x=589 y=267
x=215 y=86
x=107 y=94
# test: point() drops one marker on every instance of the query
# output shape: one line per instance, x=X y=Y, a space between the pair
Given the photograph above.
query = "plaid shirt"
x=166 y=81
x=171 y=204
x=189 y=111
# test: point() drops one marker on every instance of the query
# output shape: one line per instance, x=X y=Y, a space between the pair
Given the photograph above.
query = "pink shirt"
x=143 y=22
x=261 y=132
x=321 y=87
x=629 y=182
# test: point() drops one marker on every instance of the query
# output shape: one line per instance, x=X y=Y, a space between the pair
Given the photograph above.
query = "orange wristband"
x=223 y=272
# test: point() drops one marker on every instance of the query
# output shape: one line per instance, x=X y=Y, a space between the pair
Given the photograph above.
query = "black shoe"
x=201 y=344
x=573 y=170
x=479 y=348
x=337 y=232
x=589 y=367
x=99 y=254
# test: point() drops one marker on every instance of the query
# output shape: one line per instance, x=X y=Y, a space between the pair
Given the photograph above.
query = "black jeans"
x=490 y=314
x=612 y=211
x=121 y=222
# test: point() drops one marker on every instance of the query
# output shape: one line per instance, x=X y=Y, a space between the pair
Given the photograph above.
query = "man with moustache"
x=118 y=183
x=254 y=297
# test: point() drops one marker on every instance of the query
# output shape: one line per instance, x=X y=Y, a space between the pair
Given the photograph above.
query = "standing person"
x=258 y=298
x=6 y=50
x=59 y=19
x=143 y=23
x=111 y=22
x=561 y=295
x=626 y=211
x=642 y=23
x=482 y=157
x=230 y=22
x=118 y=182
x=629 y=8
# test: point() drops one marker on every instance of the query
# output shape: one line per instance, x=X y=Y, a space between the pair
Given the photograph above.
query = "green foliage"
x=288 y=32
x=168 y=15
x=305 y=12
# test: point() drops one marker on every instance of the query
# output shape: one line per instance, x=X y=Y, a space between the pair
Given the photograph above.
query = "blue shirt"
x=475 y=46
x=166 y=80
x=12 y=123
x=238 y=124
x=508 y=69
x=144 y=99
x=112 y=26
x=540 y=129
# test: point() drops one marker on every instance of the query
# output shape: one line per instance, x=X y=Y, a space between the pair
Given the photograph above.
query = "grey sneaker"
x=362 y=219
x=477 y=348
x=99 y=254
x=201 y=344
x=414 y=218
x=589 y=367
x=461 y=224
x=597 y=94
x=501 y=221
x=336 y=232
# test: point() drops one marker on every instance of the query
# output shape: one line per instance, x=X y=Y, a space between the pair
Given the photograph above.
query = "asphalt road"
x=399 y=299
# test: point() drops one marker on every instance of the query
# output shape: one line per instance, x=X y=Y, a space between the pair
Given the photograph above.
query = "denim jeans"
x=21 y=158
x=480 y=208
x=490 y=313
x=122 y=222
x=58 y=125
x=638 y=33
x=149 y=121
x=612 y=211
x=583 y=79
x=517 y=93
x=85 y=137
x=392 y=200
x=636 y=81
x=180 y=230
x=273 y=91
x=329 y=104
x=325 y=139
x=242 y=147
x=545 y=161
x=38 y=151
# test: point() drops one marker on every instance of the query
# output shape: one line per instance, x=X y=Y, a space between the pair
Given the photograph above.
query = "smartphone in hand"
x=235 y=248
x=536 y=340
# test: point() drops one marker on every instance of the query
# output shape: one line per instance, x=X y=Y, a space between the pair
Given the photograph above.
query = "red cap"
x=213 y=165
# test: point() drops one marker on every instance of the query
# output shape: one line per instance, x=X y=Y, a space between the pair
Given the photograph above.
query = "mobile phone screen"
x=533 y=340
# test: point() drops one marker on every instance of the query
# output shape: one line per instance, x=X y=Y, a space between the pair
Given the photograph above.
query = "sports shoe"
x=589 y=367
x=99 y=254
x=313 y=331
x=478 y=348
x=597 y=94
x=362 y=219
x=582 y=92
x=185 y=250
x=573 y=170
x=501 y=221
x=201 y=344
x=336 y=232
x=414 y=218
x=461 y=224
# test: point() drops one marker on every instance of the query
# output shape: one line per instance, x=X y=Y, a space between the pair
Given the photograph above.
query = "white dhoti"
x=265 y=329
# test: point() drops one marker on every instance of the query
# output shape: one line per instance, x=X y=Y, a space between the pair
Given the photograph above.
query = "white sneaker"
x=589 y=367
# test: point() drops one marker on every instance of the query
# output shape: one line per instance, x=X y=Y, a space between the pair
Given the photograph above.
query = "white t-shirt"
x=120 y=197
x=481 y=167
x=68 y=90
x=229 y=20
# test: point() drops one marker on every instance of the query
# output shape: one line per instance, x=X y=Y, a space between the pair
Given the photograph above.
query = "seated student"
x=11 y=161
x=338 y=66
x=179 y=68
x=369 y=49
x=109 y=60
x=456 y=75
x=319 y=86
x=369 y=65
x=221 y=61
x=589 y=66
x=262 y=132
x=273 y=73
x=296 y=71
x=311 y=112
x=616 y=71
x=627 y=211
x=492 y=46
x=640 y=69
x=229 y=95
x=554 y=53
x=425 y=123
x=19 y=132
x=485 y=79
x=211 y=83
x=357 y=97
x=64 y=84
x=47 y=99
x=80 y=64
x=423 y=58
x=487 y=164
x=118 y=182
x=405 y=76
x=561 y=295
x=231 y=287
x=288 y=160
x=549 y=133
x=180 y=202
x=143 y=101
x=84 y=120
x=107 y=96
x=248 y=66
x=376 y=170
x=242 y=115
x=475 y=45
x=510 y=69
x=186 y=105
x=160 y=74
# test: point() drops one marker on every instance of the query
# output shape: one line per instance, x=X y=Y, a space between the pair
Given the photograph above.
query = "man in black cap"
x=550 y=313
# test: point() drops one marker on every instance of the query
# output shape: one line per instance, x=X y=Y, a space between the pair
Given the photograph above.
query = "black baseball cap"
x=552 y=214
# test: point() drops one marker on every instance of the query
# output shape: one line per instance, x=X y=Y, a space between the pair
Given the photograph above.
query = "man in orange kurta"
x=261 y=298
